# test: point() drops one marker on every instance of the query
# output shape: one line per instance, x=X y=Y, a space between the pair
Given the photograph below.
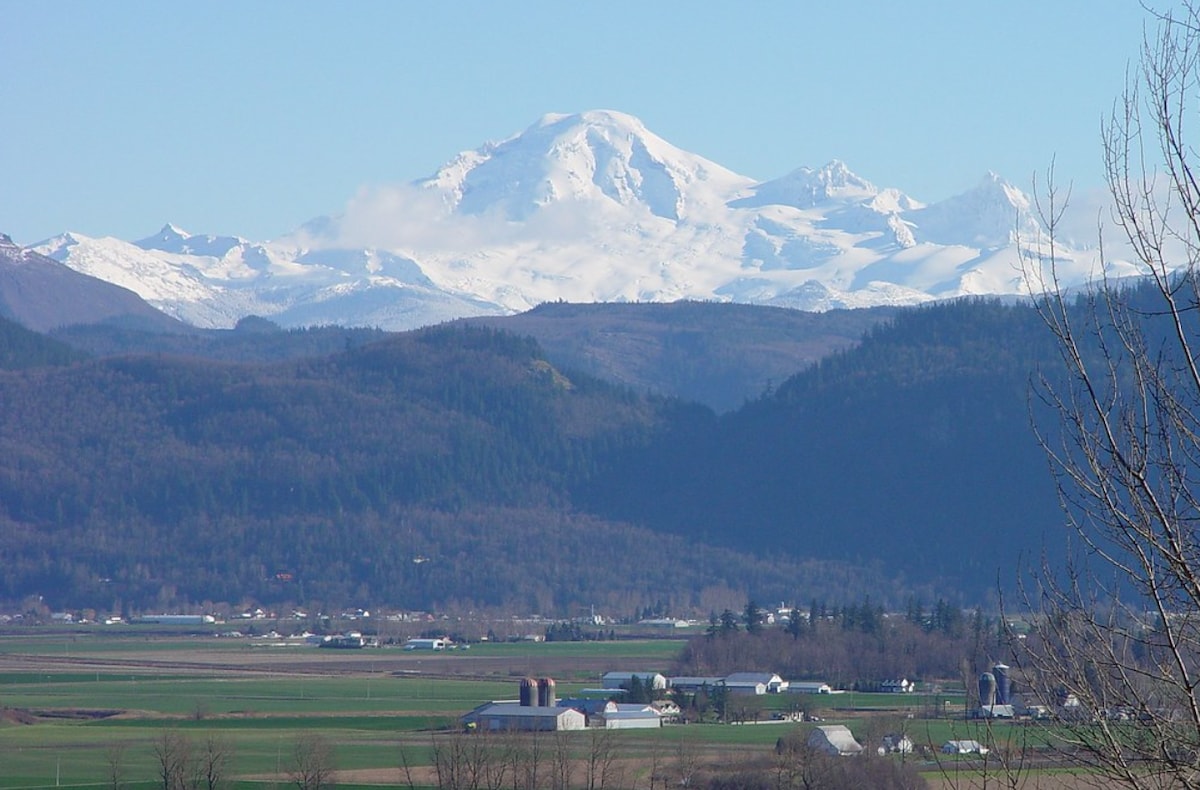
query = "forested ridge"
x=457 y=464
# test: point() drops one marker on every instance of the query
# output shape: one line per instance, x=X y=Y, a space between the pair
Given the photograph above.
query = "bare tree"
x=1114 y=654
x=212 y=763
x=313 y=763
x=114 y=760
x=173 y=754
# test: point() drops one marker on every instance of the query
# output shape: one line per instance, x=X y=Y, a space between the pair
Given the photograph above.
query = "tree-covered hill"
x=718 y=354
x=914 y=449
x=459 y=464
x=22 y=348
x=429 y=468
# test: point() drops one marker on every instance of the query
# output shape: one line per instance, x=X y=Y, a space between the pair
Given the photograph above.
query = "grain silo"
x=987 y=690
x=546 y=696
x=529 y=692
x=1003 y=684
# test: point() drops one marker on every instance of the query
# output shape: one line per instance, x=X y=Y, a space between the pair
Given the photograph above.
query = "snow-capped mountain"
x=43 y=294
x=589 y=207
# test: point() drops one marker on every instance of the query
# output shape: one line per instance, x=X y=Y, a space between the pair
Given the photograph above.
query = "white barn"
x=512 y=716
x=835 y=739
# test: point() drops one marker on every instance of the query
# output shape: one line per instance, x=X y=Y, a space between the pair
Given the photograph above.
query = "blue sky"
x=251 y=118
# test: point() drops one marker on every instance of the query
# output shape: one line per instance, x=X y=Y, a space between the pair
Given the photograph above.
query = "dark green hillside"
x=914 y=449
x=719 y=354
x=23 y=348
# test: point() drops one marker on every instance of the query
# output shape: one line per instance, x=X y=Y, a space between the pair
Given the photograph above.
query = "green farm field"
x=75 y=710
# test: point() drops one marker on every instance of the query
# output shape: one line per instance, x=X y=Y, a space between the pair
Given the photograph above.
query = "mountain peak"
x=172 y=238
x=806 y=188
x=595 y=156
x=991 y=215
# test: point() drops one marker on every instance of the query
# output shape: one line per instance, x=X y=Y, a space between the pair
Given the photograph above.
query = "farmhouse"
x=835 y=739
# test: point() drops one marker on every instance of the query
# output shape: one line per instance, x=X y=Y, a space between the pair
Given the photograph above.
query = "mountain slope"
x=40 y=293
x=592 y=207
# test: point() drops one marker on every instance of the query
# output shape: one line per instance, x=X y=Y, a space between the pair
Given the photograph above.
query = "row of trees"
x=186 y=763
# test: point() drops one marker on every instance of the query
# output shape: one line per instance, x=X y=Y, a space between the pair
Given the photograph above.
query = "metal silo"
x=1003 y=684
x=545 y=693
x=529 y=692
x=987 y=690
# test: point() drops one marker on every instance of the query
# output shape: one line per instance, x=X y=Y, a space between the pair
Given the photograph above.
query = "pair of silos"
x=994 y=687
x=538 y=692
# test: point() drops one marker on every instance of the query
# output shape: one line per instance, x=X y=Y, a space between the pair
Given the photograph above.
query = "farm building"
x=426 y=644
x=621 y=716
x=835 y=739
x=692 y=684
x=897 y=743
x=513 y=716
x=616 y=680
x=756 y=682
x=964 y=747
x=173 y=619
x=901 y=686
x=810 y=687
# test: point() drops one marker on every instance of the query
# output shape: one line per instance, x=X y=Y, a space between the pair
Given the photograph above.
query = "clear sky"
x=250 y=118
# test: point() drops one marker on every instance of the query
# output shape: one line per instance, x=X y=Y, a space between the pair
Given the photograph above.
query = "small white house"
x=835 y=739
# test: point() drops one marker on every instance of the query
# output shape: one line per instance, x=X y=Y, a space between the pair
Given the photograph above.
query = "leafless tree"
x=114 y=760
x=1114 y=652
x=312 y=763
x=212 y=763
x=173 y=754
